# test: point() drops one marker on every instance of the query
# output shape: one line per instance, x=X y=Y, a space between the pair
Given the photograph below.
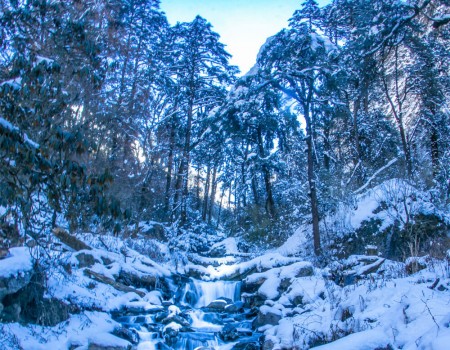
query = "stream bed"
x=201 y=316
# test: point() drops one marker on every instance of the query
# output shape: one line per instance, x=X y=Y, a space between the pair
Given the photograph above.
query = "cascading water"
x=201 y=293
x=201 y=311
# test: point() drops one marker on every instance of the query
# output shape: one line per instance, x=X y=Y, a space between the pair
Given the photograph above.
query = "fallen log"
x=69 y=240
x=116 y=285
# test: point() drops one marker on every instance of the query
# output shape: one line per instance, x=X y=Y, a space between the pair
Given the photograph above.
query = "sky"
x=244 y=25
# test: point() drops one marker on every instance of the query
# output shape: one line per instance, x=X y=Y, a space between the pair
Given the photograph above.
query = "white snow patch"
x=17 y=262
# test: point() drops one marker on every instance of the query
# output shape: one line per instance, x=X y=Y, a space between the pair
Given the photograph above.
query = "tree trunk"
x=206 y=194
x=270 y=203
x=169 y=167
x=434 y=144
x=213 y=194
x=312 y=181
x=184 y=168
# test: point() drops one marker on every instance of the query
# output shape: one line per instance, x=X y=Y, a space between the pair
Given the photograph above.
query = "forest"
x=129 y=134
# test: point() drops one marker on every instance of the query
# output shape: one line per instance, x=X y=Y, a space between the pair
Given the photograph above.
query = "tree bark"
x=206 y=194
x=311 y=179
x=270 y=203
x=213 y=194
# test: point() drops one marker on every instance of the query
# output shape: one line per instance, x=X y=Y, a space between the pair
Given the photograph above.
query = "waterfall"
x=201 y=293
x=192 y=341
x=205 y=325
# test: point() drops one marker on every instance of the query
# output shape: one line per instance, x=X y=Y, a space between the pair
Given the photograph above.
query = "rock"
x=305 y=271
x=148 y=282
x=11 y=284
x=252 y=287
x=266 y=315
x=284 y=285
x=191 y=297
x=218 y=252
x=51 y=312
x=218 y=304
x=156 y=231
x=268 y=344
x=229 y=333
x=108 y=341
x=4 y=252
x=297 y=300
x=11 y=313
x=161 y=316
x=170 y=333
x=85 y=260
x=247 y=345
x=128 y=334
x=176 y=319
x=236 y=307
x=106 y=260
x=245 y=332
x=253 y=300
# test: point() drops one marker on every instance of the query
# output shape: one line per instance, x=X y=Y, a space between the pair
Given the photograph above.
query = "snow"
x=77 y=331
x=12 y=128
x=381 y=309
x=7 y=125
x=19 y=261
x=108 y=340
x=367 y=340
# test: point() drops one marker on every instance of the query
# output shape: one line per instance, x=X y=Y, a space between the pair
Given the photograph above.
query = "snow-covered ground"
x=361 y=302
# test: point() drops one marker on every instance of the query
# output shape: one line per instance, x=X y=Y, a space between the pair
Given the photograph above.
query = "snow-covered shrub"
x=149 y=248
x=395 y=218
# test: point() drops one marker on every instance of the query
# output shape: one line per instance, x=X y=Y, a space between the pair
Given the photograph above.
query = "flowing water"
x=201 y=325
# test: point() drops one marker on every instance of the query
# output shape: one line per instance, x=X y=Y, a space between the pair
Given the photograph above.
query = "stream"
x=201 y=316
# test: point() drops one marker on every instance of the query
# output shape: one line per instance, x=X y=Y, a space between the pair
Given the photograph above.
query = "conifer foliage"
x=110 y=116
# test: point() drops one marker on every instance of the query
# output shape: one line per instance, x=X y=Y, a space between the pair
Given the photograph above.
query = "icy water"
x=188 y=324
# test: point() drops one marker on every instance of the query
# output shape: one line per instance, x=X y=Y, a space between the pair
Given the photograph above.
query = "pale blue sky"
x=244 y=25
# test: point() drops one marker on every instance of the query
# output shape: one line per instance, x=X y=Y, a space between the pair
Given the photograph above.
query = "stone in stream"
x=170 y=333
x=236 y=307
x=128 y=334
x=218 y=304
x=229 y=333
x=176 y=319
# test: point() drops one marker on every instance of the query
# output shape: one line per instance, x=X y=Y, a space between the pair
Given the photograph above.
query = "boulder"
x=218 y=304
x=253 y=300
x=128 y=334
x=50 y=312
x=247 y=345
x=170 y=333
x=236 y=307
x=108 y=342
x=11 y=284
x=266 y=315
x=85 y=260
x=148 y=282
x=156 y=231
x=305 y=271
x=229 y=333
x=253 y=286
x=176 y=319
x=4 y=252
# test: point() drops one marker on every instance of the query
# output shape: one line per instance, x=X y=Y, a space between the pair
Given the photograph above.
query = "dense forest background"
x=110 y=117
